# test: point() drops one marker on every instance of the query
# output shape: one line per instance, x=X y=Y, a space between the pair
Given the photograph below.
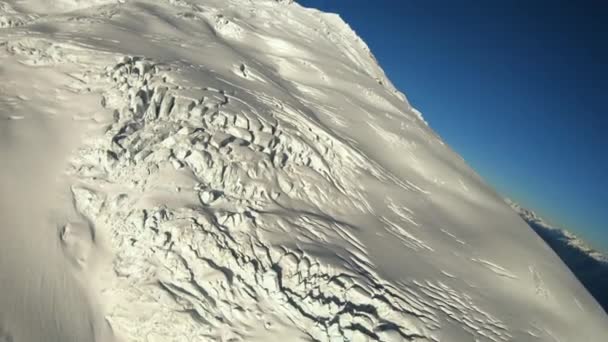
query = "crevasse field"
x=242 y=170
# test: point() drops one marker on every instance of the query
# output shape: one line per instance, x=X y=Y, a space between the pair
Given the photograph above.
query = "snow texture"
x=240 y=170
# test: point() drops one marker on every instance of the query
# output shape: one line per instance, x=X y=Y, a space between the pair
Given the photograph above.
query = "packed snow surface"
x=244 y=171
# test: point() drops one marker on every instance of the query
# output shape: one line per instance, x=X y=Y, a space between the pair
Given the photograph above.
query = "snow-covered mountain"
x=240 y=170
x=589 y=265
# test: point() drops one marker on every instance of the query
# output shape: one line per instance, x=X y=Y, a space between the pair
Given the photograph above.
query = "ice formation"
x=240 y=170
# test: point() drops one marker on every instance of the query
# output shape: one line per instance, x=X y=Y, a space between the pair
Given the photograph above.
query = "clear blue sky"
x=518 y=88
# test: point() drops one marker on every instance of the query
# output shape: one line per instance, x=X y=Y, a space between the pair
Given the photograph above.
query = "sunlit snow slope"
x=244 y=171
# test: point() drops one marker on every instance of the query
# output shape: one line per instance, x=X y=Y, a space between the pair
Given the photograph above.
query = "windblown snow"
x=244 y=171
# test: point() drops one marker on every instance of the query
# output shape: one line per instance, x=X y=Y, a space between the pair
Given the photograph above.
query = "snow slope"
x=239 y=171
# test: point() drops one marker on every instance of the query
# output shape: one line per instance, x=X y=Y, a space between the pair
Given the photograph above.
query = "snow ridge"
x=589 y=265
x=571 y=239
x=257 y=178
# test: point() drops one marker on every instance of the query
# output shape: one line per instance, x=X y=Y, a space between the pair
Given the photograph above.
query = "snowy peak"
x=567 y=237
x=243 y=171
x=589 y=265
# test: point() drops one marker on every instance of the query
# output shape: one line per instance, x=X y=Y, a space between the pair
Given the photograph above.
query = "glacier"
x=188 y=170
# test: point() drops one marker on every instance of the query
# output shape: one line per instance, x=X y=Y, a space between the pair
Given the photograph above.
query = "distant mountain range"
x=587 y=264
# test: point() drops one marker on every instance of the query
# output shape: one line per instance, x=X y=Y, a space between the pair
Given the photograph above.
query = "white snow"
x=244 y=171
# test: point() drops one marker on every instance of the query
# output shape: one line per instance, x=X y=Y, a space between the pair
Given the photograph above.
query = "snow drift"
x=241 y=171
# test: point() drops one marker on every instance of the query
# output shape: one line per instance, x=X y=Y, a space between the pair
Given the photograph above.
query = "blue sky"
x=518 y=88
